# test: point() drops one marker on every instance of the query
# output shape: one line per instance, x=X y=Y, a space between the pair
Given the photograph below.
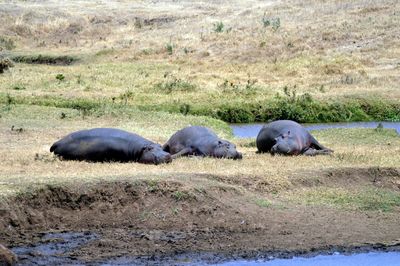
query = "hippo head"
x=284 y=144
x=225 y=149
x=154 y=154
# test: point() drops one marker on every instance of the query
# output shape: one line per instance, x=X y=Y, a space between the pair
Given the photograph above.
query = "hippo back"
x=190 y=136
x=101 y=144
x=266 y=137
x=200 y=141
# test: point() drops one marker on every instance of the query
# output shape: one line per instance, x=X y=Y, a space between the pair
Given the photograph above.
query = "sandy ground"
x=137 y=219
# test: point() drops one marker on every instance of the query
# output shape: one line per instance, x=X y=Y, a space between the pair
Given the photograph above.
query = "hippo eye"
x=147 y=148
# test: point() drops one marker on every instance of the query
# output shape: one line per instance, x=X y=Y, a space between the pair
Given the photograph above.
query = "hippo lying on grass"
x=200 y=141
x=288 y=138
x=109 y=144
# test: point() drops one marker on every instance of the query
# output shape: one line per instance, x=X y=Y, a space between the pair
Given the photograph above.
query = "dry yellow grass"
x=327 y=48
x=26 y=160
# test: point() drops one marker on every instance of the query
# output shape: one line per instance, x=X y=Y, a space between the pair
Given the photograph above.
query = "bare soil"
x=141 y=218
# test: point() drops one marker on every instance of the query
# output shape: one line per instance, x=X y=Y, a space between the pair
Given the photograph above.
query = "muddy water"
x=53 y=249
x=58 y=249
x=363 y=259
x=251 y=130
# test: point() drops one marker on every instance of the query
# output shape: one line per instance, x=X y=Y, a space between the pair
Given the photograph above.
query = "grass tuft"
x=373 y=199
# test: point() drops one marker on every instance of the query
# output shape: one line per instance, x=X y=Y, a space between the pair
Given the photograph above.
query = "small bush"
x=6 y=43
x=60 y=77
x=236 y=87
x=170 y=48
x=174 y=84
x=275 y=23
x=124 y=97
x=180 y=195
x=219 y=27
x=5 y=63
x=185 y=109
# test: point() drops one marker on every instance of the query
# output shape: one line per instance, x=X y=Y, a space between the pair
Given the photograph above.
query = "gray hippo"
x=288 y=138
x=109 y=144
x=200 y=141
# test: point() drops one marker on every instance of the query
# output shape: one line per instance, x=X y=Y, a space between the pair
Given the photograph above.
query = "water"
x=362 y=259
x=252 y=130
x=54 y=249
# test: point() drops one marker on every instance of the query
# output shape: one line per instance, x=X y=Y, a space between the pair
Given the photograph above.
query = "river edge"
x=131 y=221
x=30 y=255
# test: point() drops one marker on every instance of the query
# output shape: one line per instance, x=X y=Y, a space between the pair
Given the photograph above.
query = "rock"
x=7 y=257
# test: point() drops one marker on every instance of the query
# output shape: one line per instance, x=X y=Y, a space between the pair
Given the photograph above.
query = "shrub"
x=170 y=48
x=219 y=27
x=60 y=77
x=275 y=23
x=6 y=43
x=174 y=84
x=5 y=63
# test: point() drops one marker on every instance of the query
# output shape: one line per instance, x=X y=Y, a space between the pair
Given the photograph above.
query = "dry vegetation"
x=133 y=56
x=327 y=48
x=27 y=132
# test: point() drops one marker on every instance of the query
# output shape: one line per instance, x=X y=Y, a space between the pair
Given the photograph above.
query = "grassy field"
x=336 y=60
x=28 y=132
x=153 y=67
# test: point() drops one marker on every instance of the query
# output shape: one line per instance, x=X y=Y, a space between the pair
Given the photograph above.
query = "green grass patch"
x=301 y=108
x=45 y=59
x=173 y=85
x=264 y=203
x=161 y=124
x=358 y=136
x=180 y=195
x=6 y=43
x=370 y=199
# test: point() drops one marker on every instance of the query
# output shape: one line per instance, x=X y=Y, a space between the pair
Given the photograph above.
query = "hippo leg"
x=313 y=152
x=185 y=151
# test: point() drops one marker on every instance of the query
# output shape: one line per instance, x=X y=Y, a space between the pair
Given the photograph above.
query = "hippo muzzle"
x=163 y=159
x=153 y=154
x=238 y=156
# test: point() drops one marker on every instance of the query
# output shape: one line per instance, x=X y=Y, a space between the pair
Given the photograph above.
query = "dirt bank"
x=166 y=217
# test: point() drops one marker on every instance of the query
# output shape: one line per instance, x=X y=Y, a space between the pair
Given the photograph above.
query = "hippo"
x=7 y=257
x=109 y=144
x=200 y=141
x=289 y=138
